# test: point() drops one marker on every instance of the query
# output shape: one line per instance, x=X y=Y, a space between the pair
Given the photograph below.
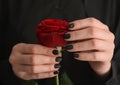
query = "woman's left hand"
x=93 y=43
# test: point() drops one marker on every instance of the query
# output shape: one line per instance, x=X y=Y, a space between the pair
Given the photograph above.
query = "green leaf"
x=65 y=80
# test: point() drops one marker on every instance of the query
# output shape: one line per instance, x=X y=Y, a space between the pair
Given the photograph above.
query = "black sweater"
x=19 y=19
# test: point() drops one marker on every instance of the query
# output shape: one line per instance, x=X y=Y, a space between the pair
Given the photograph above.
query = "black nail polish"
x=68 y=47
x=57 y=66
x=56 y=72
x=66 y=36
x=70 y=26
x=55 y=52
x=76 y=55
x=58 y=59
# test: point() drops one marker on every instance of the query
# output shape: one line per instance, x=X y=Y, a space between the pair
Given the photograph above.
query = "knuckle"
x=15 y=47
x=95 y=44
x=34 y=49
x=92 y=32
x=112 y=36
x=75 y=35
x=32 y=60
x=77 y=46
x=92 y=20
x=11 y=59
x=106 y=27
x=33 y=69
x=95 y=56
x=50 y=68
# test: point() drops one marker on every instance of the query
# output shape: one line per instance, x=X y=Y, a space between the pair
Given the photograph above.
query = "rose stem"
x=57 y=77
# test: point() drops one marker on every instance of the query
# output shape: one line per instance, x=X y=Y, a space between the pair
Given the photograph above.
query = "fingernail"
x=58 y=59
x=55 y=52
x=57 y=66
x=68 y=47
x=66 y=36
x=76 y=55
x=70 y=26
x=56 y=72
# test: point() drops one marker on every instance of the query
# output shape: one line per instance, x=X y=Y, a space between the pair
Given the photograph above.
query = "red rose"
x=50 y=32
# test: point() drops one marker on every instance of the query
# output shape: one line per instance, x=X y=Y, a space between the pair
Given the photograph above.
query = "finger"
x=33 y=49
x=35 y=59
x=27 y=76
x=94 y=56
x=89 y=45
x=88 y=22
x=36 y=69
x=89 y=33
x=43 y=75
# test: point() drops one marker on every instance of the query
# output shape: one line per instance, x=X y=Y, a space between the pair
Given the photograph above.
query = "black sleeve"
x=7 y=76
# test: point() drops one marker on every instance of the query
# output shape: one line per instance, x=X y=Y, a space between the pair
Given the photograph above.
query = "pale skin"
x=95 y=45
x=32 y=61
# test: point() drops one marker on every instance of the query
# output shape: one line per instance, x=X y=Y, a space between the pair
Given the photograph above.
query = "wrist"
x=105 y=70
x=102 y=69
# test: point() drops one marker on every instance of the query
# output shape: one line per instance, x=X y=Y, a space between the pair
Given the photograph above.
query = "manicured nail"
x=58 y=59
x=70 y=26
x=76 y=55
x=57 y=66
x=66 y=36
x=56 y=72
x=68 y=47
x=55 y=52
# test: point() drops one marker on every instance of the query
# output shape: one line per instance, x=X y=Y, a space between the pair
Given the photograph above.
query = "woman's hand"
x=93 y=43
x=32 y=61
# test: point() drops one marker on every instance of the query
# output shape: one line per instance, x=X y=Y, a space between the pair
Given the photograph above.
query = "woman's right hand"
x=33 y=61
